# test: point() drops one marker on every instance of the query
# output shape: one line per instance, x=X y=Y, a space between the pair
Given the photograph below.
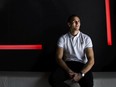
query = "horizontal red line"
x=21 y=47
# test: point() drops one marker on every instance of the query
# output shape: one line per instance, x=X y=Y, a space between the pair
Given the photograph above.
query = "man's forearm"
x=88 y=66
x=64 y=65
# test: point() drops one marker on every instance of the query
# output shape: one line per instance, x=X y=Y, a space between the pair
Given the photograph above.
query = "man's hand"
x=76 y=77
x=71 y=74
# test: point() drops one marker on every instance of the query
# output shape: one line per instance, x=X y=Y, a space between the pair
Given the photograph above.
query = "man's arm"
x=90 y=56
x=60 y=61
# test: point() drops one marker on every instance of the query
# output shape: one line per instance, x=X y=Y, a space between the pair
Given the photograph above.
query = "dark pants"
x=58 y=77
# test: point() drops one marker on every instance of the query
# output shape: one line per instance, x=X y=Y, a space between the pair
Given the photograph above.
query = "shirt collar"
x=71 y=36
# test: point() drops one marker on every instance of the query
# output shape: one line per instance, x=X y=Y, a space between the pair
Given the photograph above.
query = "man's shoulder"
x=64 y=35
x=84 y=35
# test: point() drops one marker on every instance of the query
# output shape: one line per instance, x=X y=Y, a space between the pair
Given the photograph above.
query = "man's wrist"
x=82 y=74
x=70 y=71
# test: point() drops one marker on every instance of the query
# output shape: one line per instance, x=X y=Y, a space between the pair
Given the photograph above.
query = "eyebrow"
x=76 y=20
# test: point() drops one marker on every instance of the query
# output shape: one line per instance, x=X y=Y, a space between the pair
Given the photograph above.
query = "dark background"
x=43 y=22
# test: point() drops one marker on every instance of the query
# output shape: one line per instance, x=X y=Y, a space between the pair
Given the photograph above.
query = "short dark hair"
x=71 y=17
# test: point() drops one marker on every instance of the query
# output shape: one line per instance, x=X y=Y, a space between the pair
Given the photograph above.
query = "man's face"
x=75 y=24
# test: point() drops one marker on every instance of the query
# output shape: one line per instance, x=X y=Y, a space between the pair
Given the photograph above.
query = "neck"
x=74 y=33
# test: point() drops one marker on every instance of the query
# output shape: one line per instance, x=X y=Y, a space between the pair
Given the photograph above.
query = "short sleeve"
x=88 y=42
x=60 y=42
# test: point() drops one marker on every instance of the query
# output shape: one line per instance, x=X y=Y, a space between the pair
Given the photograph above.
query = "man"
x=75 y=57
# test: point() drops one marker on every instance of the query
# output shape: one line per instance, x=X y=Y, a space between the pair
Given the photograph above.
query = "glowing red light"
x=21 y=47
x=108 y=22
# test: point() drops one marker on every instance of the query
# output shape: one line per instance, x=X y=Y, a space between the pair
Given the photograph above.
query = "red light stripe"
x=108 y=22
x=21 y=47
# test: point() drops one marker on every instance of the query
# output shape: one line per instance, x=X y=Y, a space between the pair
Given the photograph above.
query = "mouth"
x=77 y=26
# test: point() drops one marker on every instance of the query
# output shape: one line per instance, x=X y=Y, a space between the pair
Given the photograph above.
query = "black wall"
x=43 y=21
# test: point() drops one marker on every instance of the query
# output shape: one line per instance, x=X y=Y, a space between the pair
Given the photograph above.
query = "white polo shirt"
x=74 y=46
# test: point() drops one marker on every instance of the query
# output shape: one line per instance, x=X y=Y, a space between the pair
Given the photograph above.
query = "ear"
x=68 y=24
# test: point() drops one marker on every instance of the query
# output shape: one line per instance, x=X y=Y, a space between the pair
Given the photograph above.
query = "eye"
x=73 y=21
x=76 y=22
